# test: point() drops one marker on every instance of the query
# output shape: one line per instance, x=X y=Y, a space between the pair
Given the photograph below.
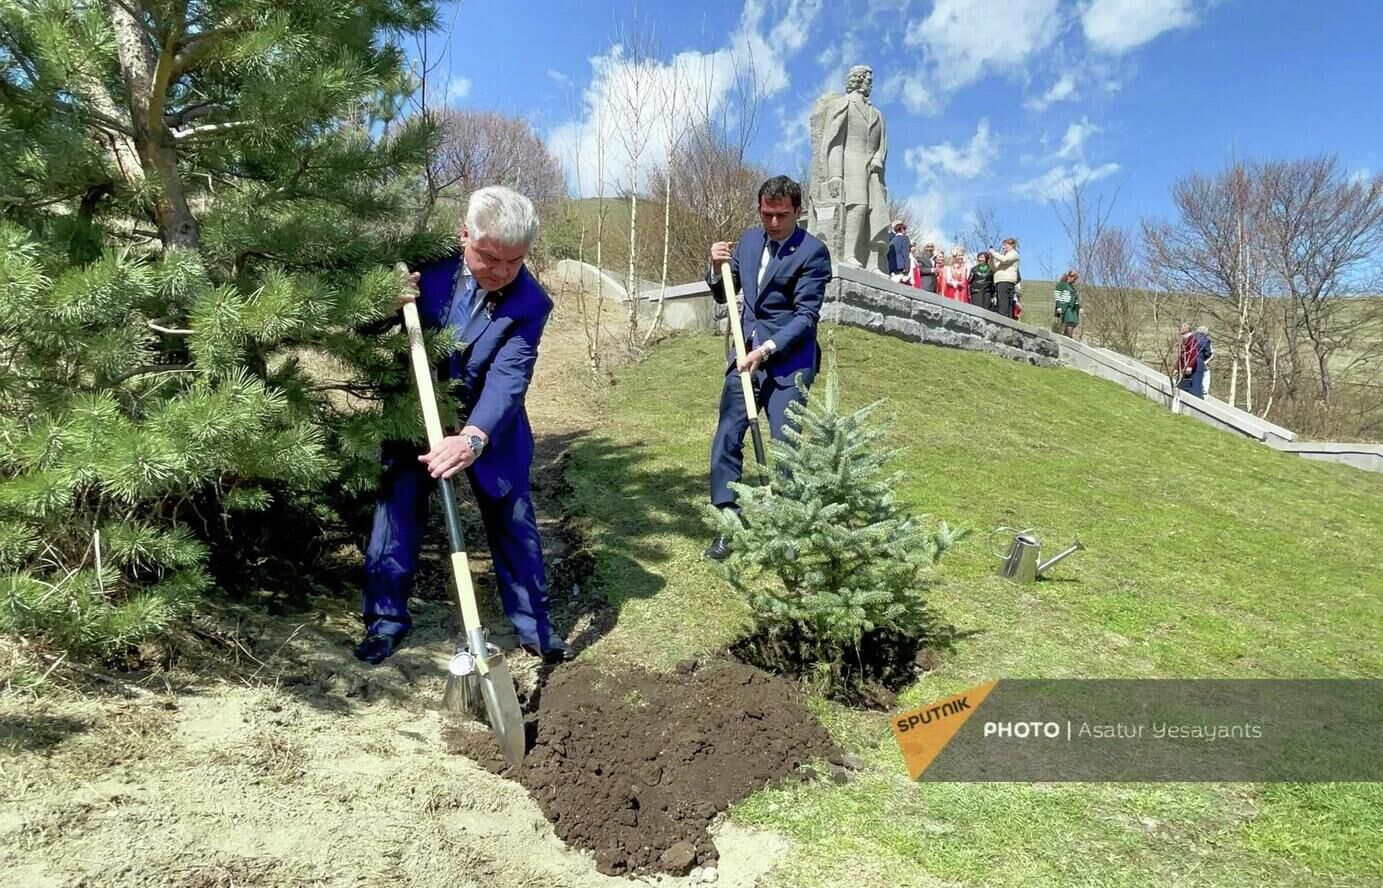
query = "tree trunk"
x=147 y=75
x=592 y=350
x=667 y=243
x=630 y=281
x=1248 y=381
x=1273 y=376
x=122 y=150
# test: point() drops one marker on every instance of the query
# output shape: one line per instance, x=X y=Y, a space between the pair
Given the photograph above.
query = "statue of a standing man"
x=848 y=151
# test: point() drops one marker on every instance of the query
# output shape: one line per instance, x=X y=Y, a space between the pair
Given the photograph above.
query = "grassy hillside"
x=1208 y=556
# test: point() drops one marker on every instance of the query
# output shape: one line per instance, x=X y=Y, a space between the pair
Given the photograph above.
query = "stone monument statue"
x=847 y=196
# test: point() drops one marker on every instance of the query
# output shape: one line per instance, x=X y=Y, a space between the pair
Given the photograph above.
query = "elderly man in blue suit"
x=485 y=293
x=781 y=273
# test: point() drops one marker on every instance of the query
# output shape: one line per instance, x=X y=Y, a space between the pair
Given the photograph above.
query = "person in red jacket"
x=1192 y=367
x=956 y=278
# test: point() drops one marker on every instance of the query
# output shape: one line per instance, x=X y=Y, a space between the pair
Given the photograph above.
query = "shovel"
x=747 y=383
x=476 y=665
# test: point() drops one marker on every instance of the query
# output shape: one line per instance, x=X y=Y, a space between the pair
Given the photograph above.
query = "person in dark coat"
x=982 y=282
x=926 y=268
x=1207 y=353
x=499 y=309
x=899 y=253
x=780 y=273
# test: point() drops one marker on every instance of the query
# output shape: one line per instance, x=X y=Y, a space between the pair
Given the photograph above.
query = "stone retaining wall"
x=871 y=302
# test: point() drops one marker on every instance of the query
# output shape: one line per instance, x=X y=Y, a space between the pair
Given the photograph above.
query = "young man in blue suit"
x=487 y=294
x=780 y=274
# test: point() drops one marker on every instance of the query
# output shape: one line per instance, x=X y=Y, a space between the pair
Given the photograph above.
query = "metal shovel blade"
x=502 y=709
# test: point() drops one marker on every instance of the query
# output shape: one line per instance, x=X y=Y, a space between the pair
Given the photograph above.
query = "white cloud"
x=1062 y=90
x=964 y=40
x=458 y=88
x=1116 y=26
x=928 y=209
x=794 y=131
x=648 y=99
x=558 y=77
x=838 y=60
x=1073 y=143
x=1057 y=182
x=967 y=162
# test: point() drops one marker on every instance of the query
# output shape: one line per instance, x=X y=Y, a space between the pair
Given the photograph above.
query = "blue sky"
x=989 y=103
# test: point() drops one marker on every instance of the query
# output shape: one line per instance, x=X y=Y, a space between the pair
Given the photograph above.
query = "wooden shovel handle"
x=422 y=377
x=737 y=331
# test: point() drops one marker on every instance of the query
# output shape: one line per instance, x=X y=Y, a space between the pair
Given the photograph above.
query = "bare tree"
x=1083 y=217
x=480 y=148
x=1113 y=307
x=715 y=181
x=1324 y=236
x=634 y=96
x=1213 y=251
x=900 y=211
x=676 y=96
x=984 y=230
x=590 y=319
x=717 y=188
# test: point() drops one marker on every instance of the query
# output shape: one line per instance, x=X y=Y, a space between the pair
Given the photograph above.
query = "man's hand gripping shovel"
x=478 y=669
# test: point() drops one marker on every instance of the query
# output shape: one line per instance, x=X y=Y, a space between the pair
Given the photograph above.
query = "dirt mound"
x=634 y=766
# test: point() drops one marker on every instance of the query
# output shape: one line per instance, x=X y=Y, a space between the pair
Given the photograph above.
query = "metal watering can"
x=1021 y=564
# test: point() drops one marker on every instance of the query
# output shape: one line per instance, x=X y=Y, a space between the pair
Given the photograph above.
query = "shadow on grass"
x=620 y=506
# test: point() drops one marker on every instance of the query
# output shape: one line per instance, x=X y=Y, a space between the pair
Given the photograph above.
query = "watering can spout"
x=1043 y=567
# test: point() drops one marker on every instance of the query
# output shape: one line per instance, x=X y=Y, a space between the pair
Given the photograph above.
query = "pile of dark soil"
x=869 y=675
x=635 y=766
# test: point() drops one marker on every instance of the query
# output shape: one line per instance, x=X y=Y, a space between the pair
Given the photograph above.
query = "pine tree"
x=203 y=206
x=826 y=553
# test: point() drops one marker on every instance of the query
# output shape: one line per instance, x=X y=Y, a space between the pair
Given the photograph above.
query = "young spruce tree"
x=826 y=555
x=199 y=207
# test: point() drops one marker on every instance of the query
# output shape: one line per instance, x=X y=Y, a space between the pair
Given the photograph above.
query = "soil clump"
x=635 y=766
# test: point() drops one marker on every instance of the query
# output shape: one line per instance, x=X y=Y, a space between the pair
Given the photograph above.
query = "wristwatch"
x=477 y=444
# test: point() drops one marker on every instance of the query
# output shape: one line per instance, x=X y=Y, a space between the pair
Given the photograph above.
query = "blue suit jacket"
x=899 y=246
x=786 y=308
x=494 y=364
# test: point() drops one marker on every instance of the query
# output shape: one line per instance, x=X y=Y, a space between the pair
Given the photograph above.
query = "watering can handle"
x=1002 y=555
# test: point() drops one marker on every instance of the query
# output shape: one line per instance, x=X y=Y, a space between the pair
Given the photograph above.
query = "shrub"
x=826 y=554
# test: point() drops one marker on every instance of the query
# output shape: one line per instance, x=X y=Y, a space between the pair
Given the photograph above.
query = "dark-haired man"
x=780 y=272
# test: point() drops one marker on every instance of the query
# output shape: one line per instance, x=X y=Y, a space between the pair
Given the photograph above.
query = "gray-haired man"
x=486 y=293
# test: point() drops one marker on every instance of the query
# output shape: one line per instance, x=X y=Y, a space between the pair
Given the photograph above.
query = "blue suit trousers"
x=727 y=447
x=396 y=538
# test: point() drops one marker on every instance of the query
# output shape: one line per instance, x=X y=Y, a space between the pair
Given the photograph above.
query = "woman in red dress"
x=955 y=278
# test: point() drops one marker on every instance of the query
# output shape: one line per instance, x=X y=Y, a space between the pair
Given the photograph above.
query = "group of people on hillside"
x=993 y=281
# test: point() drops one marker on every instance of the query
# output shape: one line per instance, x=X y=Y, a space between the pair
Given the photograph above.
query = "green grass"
x=1207 y=556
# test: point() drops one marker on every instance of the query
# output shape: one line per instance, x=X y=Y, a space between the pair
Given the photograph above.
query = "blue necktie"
x=466 y=305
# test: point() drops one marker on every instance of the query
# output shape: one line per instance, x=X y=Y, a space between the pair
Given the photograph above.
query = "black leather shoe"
x=377 y=648
x=556 y=651
x=719 y=550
